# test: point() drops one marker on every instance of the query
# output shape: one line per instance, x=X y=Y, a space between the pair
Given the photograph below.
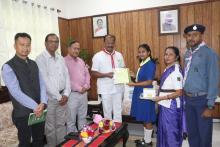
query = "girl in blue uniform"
x=141 y=109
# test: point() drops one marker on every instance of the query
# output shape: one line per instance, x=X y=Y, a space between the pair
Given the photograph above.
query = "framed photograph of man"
x=99 y=26
x=169 y=21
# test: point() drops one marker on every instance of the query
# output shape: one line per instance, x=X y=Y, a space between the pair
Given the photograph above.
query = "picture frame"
x=99 y=26
x=169 y=21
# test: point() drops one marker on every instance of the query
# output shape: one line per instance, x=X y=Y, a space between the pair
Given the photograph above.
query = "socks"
x=147 y=135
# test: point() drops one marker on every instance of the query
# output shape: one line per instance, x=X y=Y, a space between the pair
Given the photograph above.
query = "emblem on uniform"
x=196 y=69
x=195 y=28
x=178 y=78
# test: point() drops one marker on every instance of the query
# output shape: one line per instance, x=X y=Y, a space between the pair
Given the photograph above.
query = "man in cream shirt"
x=103 y=64
x=56 y=77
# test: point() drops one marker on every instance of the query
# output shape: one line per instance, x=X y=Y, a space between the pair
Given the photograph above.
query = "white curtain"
x=34 y=17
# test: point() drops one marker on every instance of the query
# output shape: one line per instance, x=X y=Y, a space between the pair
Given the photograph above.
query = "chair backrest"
x=4 y=95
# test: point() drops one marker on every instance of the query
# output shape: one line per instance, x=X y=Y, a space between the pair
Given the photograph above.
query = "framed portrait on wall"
x=99 y=26
x=169 y=21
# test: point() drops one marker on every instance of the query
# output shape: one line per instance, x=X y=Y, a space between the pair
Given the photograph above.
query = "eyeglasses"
x=50 y=41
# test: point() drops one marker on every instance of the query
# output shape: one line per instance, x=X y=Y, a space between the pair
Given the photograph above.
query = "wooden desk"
x=102 y=140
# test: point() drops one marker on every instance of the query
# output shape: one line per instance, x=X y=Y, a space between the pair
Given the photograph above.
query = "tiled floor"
x=136 y=131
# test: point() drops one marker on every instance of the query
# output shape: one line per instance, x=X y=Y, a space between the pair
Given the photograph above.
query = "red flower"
x=91 y=133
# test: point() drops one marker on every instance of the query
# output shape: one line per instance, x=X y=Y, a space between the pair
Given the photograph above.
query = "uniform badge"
x=195 y=28
x=178 y=78
x=196 y=69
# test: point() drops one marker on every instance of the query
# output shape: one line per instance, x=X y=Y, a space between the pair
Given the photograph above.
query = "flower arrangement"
x=104 y=125
x=87 y=134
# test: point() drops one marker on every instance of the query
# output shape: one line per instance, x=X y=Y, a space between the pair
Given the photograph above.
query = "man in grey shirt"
x=56 y=77
x=201 y=81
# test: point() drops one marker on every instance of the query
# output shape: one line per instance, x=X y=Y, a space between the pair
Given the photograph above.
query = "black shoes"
x=141 y=143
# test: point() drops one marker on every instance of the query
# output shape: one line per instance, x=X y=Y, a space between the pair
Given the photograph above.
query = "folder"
x=35 y=120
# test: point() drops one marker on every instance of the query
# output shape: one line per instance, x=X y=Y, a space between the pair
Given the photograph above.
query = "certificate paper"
x=121 y=76
x=34 y=120
x=165 y=103
x=148 y=93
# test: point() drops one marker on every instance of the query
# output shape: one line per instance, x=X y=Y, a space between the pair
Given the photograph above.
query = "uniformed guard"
x=200 y=86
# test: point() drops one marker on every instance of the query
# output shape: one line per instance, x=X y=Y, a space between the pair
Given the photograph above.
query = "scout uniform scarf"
x=187 y=66
x=111 y=54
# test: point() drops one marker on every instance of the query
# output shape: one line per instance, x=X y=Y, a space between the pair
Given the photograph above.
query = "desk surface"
x=102 y=140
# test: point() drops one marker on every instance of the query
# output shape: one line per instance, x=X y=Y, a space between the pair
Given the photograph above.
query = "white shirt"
x=101 y=62
x=173 y=81
x=55 y=74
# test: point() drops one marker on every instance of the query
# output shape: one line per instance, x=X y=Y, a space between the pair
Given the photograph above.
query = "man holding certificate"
x=27 y=92
x=104 y=63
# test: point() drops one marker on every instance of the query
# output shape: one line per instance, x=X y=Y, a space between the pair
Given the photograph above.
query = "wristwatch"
x=211 y=107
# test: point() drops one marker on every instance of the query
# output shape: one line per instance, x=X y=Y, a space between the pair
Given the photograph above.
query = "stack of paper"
x=148 y=93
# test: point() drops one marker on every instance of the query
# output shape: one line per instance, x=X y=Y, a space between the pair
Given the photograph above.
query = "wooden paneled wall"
x=64 y=29
x=136 y=27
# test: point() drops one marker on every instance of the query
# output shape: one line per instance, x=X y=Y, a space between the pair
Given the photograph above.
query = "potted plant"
x=84 y=54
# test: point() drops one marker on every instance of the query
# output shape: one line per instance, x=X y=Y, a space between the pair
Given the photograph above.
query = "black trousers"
x=29 y=136
x=199 y=128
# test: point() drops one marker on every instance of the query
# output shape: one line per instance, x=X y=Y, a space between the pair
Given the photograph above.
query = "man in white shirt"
x=56 y=77
x=103 y=64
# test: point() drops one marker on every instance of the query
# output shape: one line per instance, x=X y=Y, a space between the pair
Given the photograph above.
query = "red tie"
x=111 y=54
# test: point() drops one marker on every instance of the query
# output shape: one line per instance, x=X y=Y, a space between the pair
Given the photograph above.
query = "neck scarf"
x=187 y=66
x=111 y=54
x=141 y=64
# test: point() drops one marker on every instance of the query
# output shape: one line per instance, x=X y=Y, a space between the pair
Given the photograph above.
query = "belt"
x=74 y=91
x=188 y=94
x=167 y=90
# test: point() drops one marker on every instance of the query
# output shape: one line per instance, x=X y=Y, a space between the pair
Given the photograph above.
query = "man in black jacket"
x=27 y=92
